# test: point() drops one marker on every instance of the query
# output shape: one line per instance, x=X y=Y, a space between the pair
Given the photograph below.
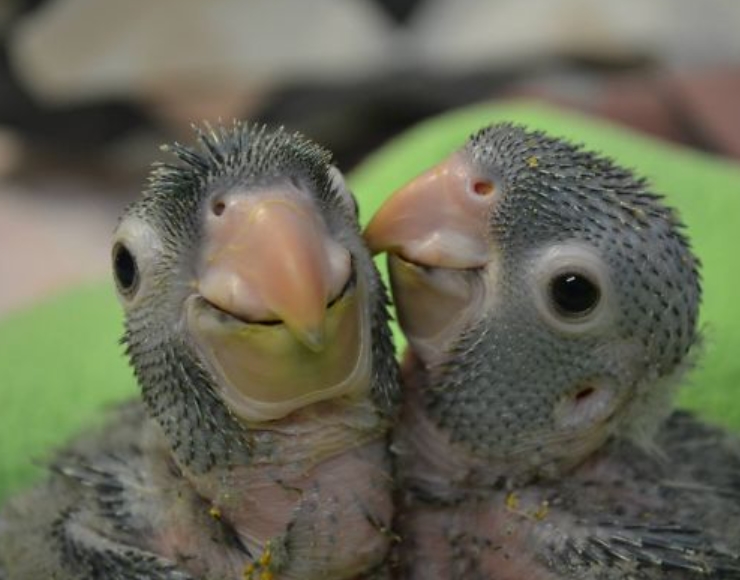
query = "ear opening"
x=591 y=402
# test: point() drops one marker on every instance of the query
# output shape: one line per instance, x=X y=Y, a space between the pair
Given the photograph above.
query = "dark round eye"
x=573 y=294
x=125 y=270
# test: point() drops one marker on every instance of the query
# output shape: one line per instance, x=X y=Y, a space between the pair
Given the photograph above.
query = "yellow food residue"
x=260 y=570
x=513 y=504
x=542 y=511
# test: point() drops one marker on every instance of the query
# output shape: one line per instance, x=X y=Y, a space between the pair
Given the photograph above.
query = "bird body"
x=550 y=301
x=623 y=513
x=257 y=330
x=297 y=513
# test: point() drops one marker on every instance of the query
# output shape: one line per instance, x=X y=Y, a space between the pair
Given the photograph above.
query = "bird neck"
x=314 y=433
x=428 y=461
x=327 y=450
x=438 y=466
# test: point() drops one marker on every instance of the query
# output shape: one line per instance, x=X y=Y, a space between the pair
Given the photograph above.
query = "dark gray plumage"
x=550 y=301
x=260 y=449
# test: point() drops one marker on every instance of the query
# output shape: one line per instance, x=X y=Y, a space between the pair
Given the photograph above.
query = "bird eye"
x=573 y=294
x=125 y=269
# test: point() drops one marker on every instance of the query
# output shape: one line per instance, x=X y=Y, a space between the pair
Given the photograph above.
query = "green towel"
x=61 y=362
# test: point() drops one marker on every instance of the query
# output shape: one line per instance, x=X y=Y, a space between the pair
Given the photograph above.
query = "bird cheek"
x=264 y=372
x=433 y=304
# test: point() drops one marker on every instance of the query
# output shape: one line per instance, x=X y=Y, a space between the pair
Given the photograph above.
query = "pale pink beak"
x=439 y=219
x=268 y=256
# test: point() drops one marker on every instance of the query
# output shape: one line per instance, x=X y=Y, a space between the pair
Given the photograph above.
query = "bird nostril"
x=584 y=394
x=483 y=187
x=218 y=208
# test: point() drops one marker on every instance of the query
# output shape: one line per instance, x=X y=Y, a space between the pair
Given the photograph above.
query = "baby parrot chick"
x=256 y=327
x=550 y=302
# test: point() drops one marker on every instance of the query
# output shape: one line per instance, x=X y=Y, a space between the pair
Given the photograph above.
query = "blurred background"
x=90 y=88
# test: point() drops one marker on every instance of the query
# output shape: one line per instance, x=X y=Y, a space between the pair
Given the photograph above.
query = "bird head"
x=247 y=290
x=551 y=297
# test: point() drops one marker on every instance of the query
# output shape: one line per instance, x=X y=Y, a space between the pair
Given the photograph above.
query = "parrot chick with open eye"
x=256 y=326
x=550 y=302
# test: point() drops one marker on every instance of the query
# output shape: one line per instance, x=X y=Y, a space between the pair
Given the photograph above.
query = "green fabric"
x=61 y=362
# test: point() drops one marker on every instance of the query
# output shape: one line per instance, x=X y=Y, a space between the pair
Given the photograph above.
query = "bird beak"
x=278 y=317
x=440 y=219
x=269 y=258
x=435 y=230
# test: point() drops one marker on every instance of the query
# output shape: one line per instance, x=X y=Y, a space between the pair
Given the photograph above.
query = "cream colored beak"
x=439 y=219
x=269 y=258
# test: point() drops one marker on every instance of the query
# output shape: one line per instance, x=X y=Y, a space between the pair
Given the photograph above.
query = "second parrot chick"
x=550 y=302
x=256 y=326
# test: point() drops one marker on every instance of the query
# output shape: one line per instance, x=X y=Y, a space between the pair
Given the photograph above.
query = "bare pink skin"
x=467 y=541
x=433 y=536
x=320 y=515
x=456 y=522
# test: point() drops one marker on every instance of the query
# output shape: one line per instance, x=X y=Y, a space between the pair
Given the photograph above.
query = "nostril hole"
x=483 y=187
x=584 y=394
x=218 y=208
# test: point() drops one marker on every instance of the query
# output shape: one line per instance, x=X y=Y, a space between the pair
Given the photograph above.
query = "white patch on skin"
x=340 y=185
x=593 y=402
x=575 y=257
